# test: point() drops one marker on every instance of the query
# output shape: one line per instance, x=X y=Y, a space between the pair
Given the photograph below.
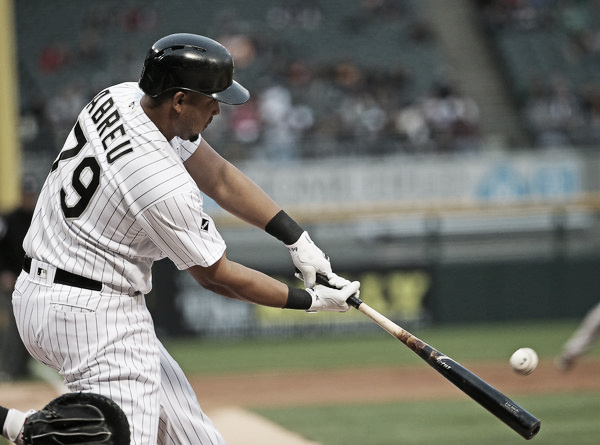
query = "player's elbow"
x=212 y=277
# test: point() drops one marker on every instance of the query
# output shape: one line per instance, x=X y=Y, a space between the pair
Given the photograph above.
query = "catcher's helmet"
x=191 y=62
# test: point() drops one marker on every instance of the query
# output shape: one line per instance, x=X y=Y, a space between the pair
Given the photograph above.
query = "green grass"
x=566 y=419
x=462 y=343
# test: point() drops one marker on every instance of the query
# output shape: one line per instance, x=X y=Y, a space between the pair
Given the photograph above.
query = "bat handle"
x=352 y=300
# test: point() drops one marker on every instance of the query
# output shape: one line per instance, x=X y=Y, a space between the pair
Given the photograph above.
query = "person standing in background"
x=14 y=358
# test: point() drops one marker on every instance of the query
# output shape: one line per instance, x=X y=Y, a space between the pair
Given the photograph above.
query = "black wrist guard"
x=284 y=228
x=298 y=299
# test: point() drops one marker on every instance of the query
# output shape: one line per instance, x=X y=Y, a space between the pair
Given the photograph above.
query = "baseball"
x=524 y=361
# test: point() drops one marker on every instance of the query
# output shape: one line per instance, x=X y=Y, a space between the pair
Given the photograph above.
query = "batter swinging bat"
x=487 y=396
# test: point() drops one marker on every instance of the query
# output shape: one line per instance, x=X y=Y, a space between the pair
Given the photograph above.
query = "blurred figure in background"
x=14 y=358
x=581 y=340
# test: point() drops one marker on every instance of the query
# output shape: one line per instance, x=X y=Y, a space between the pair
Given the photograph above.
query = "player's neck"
x=158 y=117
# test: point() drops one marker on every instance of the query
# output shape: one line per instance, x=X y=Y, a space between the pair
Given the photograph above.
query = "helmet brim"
x=235 y=94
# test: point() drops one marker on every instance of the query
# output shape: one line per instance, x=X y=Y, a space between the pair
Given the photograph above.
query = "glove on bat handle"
x=352 y=300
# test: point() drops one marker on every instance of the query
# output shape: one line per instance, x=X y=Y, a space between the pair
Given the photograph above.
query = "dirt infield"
x=225 y=398
x=366 y=385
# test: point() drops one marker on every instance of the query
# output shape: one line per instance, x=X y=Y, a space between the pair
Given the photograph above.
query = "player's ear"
x=178 y=98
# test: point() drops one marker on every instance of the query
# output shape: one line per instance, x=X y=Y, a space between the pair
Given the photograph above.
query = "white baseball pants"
x=105 y=343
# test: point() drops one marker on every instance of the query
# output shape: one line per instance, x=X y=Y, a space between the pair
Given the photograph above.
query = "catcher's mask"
x=191 y=62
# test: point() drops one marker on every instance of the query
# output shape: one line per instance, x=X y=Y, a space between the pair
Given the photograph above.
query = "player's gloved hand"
x=335 y=280
x=309 y=259
x=14 y=424
x=331 y=280
x=331 y=299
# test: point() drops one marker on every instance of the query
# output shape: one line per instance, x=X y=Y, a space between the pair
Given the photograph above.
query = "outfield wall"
x=515 y=290
x=438 y=294
x=436 y=239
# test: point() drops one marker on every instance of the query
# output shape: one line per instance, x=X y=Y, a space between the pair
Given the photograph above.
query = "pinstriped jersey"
x=118 y=197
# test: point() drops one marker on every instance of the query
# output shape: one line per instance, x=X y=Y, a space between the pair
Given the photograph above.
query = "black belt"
x=68 y=278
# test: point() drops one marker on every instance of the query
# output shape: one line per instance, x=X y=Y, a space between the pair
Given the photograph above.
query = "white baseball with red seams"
x=524 y=361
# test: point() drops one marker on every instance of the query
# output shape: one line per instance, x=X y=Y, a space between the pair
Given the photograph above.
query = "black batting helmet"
x=191 y=62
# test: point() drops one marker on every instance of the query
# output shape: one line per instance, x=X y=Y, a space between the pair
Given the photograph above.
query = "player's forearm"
x=229 y=187
x=233 y=280
x=243 y=198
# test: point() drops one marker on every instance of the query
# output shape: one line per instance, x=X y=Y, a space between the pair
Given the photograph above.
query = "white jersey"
x=118 y=197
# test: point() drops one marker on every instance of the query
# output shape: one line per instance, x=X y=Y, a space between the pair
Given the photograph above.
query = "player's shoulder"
x=120 y=95
x=126 y=93
x=126 y=88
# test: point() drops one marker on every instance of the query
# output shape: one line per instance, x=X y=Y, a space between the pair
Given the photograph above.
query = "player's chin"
x=194 y=137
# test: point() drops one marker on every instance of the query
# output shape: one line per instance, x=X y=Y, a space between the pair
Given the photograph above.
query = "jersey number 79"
x=85 y=190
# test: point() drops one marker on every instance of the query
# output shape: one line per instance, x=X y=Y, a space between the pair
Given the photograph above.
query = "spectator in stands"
x=63 y=107
x=54 y=57
x=411 y=125
x=452 y=118
x=283 y=123
x=590 y=102
x=140 y=17
x=552 y=112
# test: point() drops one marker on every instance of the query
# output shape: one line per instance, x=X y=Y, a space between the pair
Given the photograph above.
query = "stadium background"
x=444 y=153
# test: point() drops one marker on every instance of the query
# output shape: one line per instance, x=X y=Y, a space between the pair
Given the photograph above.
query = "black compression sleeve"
x=3 y=414
x=298 y=299
x=284 y=228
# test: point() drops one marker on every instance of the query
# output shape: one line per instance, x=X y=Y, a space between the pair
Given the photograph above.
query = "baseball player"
x=124 y=191
x=581 y=339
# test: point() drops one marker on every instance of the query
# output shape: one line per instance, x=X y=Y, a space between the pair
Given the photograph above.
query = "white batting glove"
x=13 y=425
x=330 y=299
x=333 y=280
x=309 y=259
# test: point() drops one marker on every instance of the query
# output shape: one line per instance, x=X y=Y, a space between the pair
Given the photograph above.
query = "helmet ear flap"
x=191 y=62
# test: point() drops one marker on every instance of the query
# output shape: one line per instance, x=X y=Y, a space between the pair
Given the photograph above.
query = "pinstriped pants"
x=106 y=343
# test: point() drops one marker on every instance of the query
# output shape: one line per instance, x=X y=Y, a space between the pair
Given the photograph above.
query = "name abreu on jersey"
x=109 y=125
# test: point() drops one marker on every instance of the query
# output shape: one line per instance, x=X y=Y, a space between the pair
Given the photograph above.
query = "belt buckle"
x=42 y=273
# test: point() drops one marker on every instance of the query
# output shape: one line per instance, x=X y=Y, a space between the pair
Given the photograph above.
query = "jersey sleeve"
x=184 y=233
x=184 y=149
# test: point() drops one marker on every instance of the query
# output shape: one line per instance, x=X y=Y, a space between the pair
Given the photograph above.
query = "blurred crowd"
x=300 y=107
x=305 y=106
x=560 y=106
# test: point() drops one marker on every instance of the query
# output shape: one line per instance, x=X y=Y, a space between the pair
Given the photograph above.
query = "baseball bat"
x=517 y=418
